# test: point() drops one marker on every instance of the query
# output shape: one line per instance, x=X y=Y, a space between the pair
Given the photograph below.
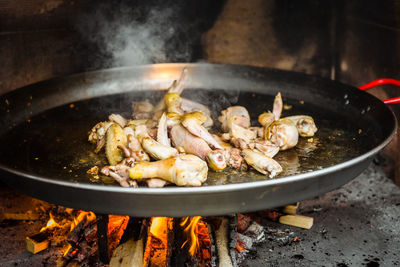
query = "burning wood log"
x=197 y=249
x=158 y=245
x=81 y=239
x=41 y=240
x=130 y=251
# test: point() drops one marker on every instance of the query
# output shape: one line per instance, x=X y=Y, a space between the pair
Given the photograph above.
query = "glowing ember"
x=239 y=248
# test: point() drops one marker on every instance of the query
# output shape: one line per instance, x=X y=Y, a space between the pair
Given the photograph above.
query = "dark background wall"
x=352 y=41
x=41 y=39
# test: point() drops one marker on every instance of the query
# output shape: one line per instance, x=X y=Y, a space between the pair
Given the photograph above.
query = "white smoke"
x=127 y=40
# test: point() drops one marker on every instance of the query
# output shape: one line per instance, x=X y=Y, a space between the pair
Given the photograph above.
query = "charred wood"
x=159 y=242
x=102 y=238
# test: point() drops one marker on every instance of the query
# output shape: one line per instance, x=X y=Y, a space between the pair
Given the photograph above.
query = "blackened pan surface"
x=44 y=137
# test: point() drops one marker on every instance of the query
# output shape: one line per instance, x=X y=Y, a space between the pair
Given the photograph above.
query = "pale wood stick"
x=38 y=242
x=291 y=209
x=297 y=220
x=29 y=216
x=128 y=254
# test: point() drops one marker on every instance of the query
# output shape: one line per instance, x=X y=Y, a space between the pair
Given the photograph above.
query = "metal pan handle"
x=378 y=82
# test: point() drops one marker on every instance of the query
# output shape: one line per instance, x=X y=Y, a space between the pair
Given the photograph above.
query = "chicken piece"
x=277 y=107
x=221 y=142
x=115 y=137
x=235 y=114
x=173 y=119
x=234 y=158
x=237 y=131
x=192 y=122
x=226 y=137
x=142 y=110
x=156 y=150
x=259 y=131
x=97 y=134
x=189 y=106
x=182 y=170
x=181 y=138
x=260 y=144
x=232 y=155
x=216 y=160
x=134 y=146
x=240 y=143
x=156 y=183
x=162 y=131
x=126 y=152
x=134 y=123
x=262 y=163
x=173 y=102
x=152 y=128
x=305 y=125
x=176 y=87
x=282 y=133
x=121 y=121
x=120 y=173
x=266 y=147
x=266 y=118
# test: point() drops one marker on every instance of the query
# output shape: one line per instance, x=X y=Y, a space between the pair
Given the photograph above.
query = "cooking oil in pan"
x=54 y=143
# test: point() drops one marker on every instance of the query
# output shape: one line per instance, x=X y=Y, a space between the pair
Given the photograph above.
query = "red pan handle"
x=378 y=82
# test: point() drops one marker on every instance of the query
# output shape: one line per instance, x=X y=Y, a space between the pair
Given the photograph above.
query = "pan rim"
x=212 y=188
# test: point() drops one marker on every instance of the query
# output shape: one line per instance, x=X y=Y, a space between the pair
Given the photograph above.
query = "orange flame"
x=192 y=231
x=90 y=216
x=67 y=249
x=50 y=224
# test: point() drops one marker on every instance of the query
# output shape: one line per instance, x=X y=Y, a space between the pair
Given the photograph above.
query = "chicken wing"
x=115 y=137
x=162 y=131
x=192 y=122
x=262 y=163
x=156 y=150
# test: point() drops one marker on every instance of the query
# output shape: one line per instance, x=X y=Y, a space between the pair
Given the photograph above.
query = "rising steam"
x=129 y=36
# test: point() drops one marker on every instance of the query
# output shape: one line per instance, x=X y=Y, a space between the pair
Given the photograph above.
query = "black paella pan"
x=45 y=153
